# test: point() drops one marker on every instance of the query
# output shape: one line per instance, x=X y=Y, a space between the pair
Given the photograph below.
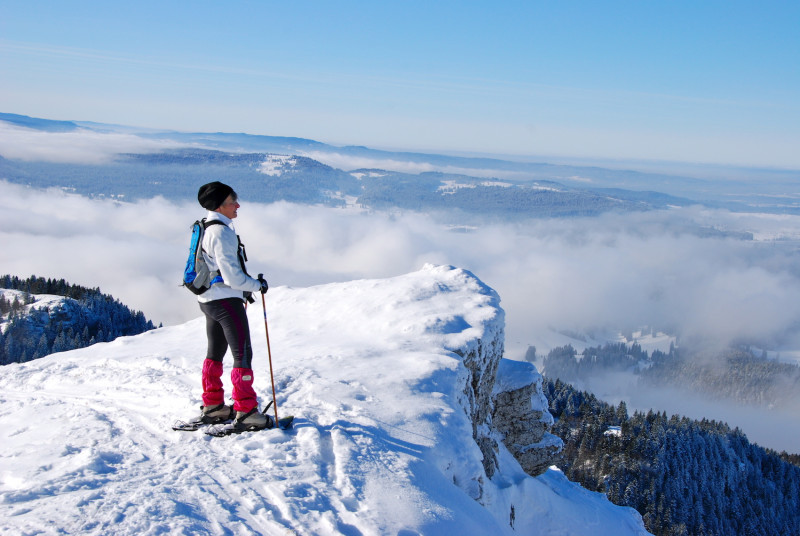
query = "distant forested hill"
x=735 y=374
x=264 y=177
x=42 y=316
x=684 y=476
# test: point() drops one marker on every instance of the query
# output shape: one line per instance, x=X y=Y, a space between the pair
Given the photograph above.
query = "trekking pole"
x=269 y=355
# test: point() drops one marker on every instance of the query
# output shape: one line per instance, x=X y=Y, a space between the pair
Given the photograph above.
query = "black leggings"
x=226 y=326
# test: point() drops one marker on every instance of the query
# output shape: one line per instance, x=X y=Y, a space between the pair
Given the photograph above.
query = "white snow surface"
x=40 y=301
x=380 y=443
x=451 y=186
x=275 y=164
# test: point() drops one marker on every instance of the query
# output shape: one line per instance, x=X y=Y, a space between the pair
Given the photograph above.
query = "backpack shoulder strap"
x=206 y=223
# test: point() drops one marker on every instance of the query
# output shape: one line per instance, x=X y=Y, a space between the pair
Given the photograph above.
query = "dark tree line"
x=564 y=361
x=735 y=373
x=85 y=317
x=686 y=477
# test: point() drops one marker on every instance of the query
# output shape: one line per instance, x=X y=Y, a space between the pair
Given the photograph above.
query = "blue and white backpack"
x=196 y=276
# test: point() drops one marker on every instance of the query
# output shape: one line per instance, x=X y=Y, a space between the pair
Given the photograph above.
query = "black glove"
x=264 y=286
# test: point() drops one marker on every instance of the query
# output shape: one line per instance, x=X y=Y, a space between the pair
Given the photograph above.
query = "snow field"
x=380 y=443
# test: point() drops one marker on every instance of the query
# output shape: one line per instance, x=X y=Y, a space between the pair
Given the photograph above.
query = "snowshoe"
x=285 y=423
x=251 y=421
x=208 y=415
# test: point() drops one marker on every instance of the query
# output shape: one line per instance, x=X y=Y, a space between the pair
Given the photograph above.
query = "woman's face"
x=229 y=207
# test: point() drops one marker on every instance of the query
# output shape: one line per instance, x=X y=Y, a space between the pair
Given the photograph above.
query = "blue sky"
x=707 y=81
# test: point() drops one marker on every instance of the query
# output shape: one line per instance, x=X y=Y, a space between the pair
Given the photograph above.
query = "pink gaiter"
x=244 y=396
x=213 y=392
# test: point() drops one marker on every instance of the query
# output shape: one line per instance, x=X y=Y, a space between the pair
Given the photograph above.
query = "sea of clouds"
x=621 y=271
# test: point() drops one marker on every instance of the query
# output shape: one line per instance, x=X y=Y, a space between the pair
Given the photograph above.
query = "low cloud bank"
x=617 y=271
x=80 y=146
x=661 y=269
x=620 y=271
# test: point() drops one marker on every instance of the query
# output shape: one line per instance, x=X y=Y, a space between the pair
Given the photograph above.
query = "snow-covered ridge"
x=385 y=378
x=39 y=303
x=275 y=164
x=367 y=173
x=451 y=186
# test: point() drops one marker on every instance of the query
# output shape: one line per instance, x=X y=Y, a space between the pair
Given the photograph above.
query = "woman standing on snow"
x=226 y=319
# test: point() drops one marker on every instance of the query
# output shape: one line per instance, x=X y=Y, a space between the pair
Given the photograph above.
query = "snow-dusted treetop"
x=382 y=443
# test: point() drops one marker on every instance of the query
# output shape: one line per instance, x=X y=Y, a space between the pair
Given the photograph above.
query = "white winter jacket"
x=220 y=250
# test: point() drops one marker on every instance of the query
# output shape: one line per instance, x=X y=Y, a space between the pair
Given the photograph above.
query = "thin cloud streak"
x=103 y=57
x=351 y=163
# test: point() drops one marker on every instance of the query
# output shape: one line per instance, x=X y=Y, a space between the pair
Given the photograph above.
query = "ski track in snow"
x=376 y=447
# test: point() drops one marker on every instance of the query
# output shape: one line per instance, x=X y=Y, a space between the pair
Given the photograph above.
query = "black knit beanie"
x=213 y=194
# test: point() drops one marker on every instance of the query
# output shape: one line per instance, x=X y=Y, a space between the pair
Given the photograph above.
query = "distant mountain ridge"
x=47 y=125
x=176 y=174
x=407 y=181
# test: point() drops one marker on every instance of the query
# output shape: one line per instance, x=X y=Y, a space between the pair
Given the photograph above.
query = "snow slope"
x=380 y=444
x=41 y=301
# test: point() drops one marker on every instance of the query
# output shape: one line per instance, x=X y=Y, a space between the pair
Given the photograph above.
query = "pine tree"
x=621 y=414
x=43 y=348
x=60 y=343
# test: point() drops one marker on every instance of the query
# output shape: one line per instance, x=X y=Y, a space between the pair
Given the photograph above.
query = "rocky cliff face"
x=521 y=417
x=506 y=404
x=481 y=361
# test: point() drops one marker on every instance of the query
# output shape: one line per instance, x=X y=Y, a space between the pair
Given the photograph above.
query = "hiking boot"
x=216 y=414
x=252 y=420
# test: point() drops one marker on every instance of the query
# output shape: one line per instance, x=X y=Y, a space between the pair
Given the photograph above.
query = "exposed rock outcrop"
x=481 y=362
x=521 y=416
x=505 y=402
